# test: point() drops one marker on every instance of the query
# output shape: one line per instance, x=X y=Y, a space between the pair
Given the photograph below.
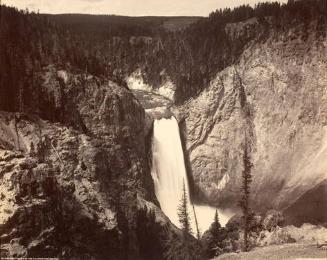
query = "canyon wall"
x=78 y=185
x=274 y=96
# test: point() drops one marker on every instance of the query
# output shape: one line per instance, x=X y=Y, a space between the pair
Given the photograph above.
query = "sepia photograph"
x=163 y=129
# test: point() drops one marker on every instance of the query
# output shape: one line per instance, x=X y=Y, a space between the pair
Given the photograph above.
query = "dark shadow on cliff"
x=311 y=207
x=194 y=191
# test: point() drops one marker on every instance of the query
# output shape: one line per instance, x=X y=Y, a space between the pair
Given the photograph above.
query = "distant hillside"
x=179 y=23
x=146 y=24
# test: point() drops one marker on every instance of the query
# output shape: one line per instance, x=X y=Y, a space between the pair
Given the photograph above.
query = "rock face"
x=74 y=189
x=275 y=97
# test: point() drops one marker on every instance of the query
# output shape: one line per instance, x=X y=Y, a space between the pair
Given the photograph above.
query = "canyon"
x=88 y=117
x=274 y=98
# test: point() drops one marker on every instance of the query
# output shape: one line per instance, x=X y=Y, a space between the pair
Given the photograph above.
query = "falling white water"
x=168 y=173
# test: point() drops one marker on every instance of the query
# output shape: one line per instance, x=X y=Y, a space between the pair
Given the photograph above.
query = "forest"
x=114 y=46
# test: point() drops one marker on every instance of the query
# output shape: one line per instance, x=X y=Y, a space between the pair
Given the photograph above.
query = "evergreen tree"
x=184 y=247
x=215 y=227
x=214 y=238
x=244 y=201
x=183 y=214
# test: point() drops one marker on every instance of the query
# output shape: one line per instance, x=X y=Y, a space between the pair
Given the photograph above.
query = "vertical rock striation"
x=276 y=94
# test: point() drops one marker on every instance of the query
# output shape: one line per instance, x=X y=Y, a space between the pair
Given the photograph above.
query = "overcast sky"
x=129 y=7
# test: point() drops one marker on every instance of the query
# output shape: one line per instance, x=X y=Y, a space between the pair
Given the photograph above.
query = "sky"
x=130 y=7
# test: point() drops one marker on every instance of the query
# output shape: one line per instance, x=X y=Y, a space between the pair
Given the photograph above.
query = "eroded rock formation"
x=73 y=186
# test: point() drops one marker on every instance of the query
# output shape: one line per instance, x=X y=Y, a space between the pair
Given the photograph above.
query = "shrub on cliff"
x=273 y=218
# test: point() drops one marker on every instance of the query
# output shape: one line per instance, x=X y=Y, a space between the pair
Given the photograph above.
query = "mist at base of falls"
x=169 y=173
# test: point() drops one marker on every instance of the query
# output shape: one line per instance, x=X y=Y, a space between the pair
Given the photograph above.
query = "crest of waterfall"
x=168 y=173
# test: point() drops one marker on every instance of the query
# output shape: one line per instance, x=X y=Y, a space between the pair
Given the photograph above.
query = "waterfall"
x=168 y=168
x=168 y=173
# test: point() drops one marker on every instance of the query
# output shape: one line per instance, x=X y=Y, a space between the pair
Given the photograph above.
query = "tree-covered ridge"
x=114 y=46
x=116 y=25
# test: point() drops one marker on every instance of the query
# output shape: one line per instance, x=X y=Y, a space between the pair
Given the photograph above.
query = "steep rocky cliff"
x=274 y=96
x=78 y=185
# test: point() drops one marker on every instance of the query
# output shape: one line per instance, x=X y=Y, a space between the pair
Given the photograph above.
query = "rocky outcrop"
x=74 y=186
x=275 y=97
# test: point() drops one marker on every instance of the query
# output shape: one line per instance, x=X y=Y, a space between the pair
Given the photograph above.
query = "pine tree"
x=183 y=214
x=244 y=201
x=215 y=238
x=184 y=247
x=215 y=227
